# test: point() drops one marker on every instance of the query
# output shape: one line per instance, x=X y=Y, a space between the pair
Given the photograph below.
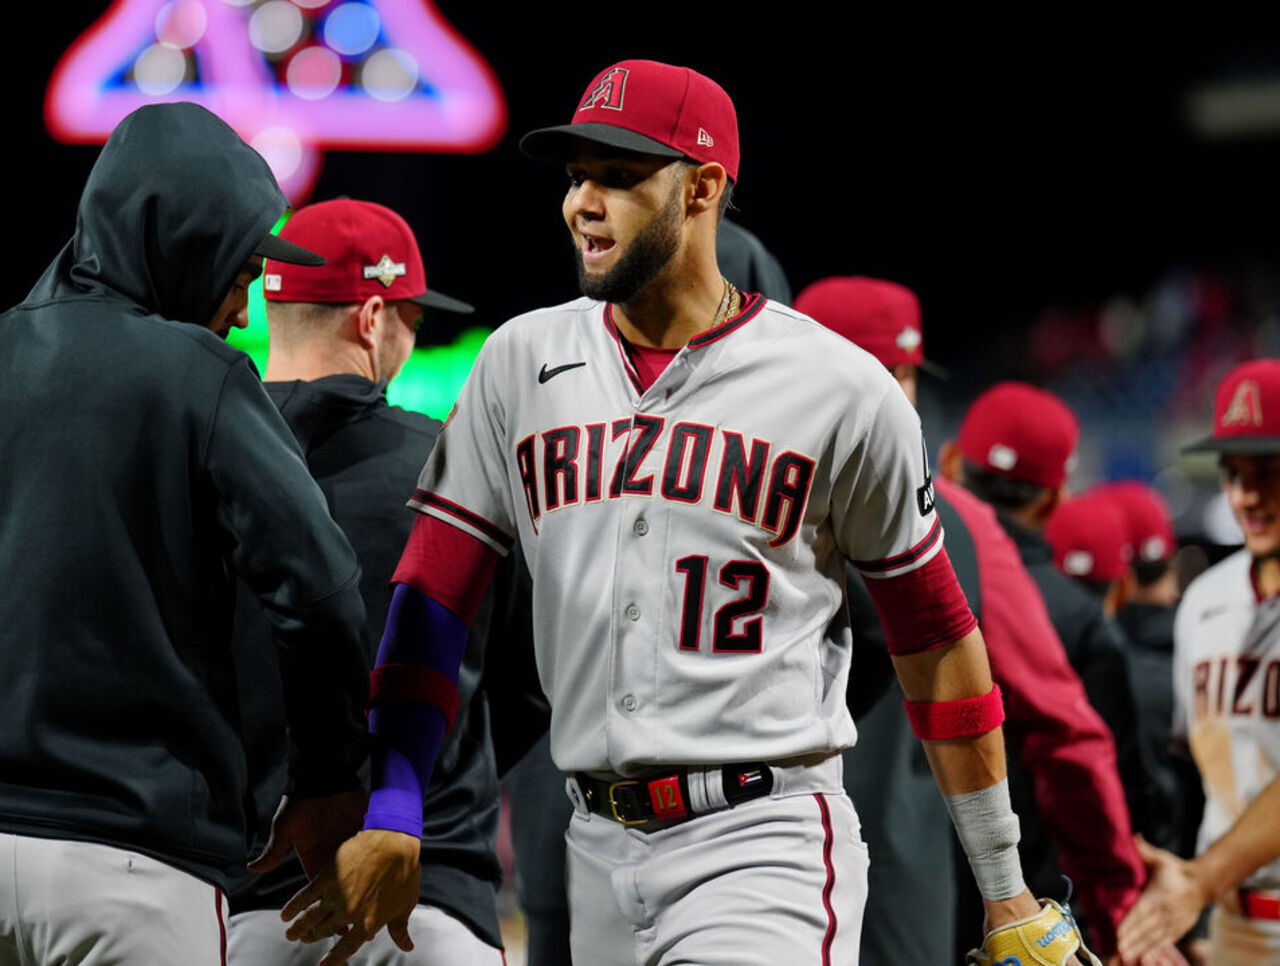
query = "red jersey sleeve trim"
x=449 y=565
x=923 y=608
x=906 y=558
x=448 y=507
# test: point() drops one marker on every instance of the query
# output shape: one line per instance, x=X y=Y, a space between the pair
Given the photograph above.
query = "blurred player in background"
x=1227 y=701
x=1089 y=536
x=144 y=470
x=339 y=334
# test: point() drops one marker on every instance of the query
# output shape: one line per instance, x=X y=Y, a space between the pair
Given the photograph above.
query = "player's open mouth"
x=595 y=248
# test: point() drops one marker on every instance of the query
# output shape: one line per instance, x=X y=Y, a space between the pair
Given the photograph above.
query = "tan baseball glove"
x=1048 y=938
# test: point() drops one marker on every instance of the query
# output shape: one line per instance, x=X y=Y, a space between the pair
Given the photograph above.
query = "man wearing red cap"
x=1089 y=536
x=1055 y=737
x=1227 y=701
x=1172 y=802
x=686 y=535
x=339 y=334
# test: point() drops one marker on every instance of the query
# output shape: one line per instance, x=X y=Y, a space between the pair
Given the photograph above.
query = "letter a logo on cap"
x=1246 y=406
x=608 y=93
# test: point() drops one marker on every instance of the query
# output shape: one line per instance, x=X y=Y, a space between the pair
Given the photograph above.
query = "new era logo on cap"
x=705 y=138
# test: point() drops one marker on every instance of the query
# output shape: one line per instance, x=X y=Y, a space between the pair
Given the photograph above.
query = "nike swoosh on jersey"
x=547 y=374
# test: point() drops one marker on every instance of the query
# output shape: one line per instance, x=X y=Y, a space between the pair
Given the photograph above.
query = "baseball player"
x=144 y=469
x=1173 y=804
x=339 y=335
x=1227 y=699
x=538 y=809
x=1054 y=736
x=1089 y=536
x=686 y=467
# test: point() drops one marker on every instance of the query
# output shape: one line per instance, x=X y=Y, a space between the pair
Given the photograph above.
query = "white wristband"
x=989 y=832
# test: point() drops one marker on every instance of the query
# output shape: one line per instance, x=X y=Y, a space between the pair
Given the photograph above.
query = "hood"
x=174 y=206
x=317 y=409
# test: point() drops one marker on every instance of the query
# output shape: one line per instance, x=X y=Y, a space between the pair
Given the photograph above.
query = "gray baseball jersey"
x=1227 y=694
x=686 y=541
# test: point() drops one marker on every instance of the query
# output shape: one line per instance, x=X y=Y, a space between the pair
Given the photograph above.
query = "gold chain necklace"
x=728 y=304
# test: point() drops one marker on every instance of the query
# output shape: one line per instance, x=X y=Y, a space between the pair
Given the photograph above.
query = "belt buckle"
x=613 y=804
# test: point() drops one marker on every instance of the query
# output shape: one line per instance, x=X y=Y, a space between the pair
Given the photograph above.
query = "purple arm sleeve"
x=405 y=735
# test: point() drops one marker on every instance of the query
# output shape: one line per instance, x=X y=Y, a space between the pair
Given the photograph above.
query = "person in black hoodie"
x=339 y=335
x=144 y=470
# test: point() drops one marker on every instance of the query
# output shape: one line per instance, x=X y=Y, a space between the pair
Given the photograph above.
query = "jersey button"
x=641 y=527
x=632 y=612
x=629 y=703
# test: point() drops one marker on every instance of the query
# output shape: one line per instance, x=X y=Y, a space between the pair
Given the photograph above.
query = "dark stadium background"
x=995 y=165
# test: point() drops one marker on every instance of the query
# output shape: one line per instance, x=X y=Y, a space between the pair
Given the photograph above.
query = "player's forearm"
x=1252 y=842
x=953 y=673
x=413 y=699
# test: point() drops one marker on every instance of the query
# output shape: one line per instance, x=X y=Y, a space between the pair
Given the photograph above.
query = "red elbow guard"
x=963 y=718
x=412 y=682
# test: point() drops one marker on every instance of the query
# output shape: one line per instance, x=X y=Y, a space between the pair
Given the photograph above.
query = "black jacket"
x=366 y=456
x=144 y=468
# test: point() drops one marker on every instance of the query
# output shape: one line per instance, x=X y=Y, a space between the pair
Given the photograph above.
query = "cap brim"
x=438 y=300
x=280 y=250
x=1237 y=445
x=562 y=143
x=935 y=370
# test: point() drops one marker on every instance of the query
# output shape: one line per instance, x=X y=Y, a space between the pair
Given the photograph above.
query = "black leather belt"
x=658 y=801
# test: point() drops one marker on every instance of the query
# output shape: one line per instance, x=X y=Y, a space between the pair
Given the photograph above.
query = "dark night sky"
x=995 y=167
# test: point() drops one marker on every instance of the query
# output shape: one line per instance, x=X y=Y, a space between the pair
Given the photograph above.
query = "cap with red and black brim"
x=563 y=142
x=1246 y=412
x=646 y=107
x=282 y=250
x=446 y=303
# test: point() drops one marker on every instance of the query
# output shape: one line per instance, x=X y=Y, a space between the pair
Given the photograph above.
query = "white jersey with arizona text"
x=1227 y=694
x=687 y=542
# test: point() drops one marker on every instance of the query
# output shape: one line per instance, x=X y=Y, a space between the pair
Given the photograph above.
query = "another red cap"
x=1246 y=411
x=1089 y=536
x=1021 y=432
x=1147 y=513
x=650 y=108
x=370 y=250
x=881 y=317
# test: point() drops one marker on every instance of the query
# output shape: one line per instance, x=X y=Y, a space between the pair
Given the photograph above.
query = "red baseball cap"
x=880 y=316
x=1148 y=517
x=1246 y=411
x=1021 y=432
x=1090 y=538
x=370 y=251
x=649 y=108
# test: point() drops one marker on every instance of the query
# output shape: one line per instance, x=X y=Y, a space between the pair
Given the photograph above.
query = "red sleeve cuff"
x=922 y=608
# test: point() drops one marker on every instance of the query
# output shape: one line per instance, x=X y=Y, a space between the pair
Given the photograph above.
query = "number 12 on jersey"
x=749 y=576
